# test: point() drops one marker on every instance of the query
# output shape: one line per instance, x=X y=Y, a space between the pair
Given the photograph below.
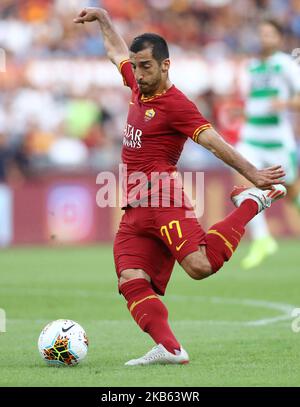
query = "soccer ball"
x=63 y=342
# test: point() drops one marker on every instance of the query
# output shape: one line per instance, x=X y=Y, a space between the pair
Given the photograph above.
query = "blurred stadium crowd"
x=54 y=127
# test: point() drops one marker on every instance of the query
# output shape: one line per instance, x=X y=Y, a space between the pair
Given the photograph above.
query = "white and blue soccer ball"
x=63 y=342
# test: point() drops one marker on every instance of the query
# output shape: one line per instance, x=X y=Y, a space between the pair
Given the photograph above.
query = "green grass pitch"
x=235 y=325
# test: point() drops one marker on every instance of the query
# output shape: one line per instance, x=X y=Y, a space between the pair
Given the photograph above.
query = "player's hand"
x=88 y=15
x=264 y=179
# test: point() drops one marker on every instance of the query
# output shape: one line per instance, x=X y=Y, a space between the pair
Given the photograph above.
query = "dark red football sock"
x=224 y=237
x=149 y=312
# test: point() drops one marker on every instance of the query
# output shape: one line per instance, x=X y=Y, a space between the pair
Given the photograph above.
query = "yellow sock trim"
x=238 y=233
x=135 y=303
x=227 y=243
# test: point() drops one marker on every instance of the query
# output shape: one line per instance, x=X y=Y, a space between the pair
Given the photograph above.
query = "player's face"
x=149 y=73
x=270 y=38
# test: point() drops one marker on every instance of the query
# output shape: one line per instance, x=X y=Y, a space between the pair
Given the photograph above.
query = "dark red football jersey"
x=157 y=128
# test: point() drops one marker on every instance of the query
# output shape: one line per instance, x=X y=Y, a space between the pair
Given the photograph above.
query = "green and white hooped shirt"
x=275 y=77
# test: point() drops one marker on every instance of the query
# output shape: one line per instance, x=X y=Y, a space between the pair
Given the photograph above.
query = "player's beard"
x=150 y=88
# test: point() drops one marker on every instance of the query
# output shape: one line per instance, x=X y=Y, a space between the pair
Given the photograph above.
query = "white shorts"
x=263 y=157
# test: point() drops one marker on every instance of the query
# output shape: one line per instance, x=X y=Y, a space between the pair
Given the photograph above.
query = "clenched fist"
x=89 y=14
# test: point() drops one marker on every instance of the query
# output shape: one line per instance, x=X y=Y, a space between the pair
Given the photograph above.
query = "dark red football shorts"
x=153 y=238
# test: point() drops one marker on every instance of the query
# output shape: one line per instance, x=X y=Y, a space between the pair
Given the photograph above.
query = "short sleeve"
x=187 y=120
x=126 y=71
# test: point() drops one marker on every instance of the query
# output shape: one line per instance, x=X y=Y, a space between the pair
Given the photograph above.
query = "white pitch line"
x=284 y=309
x=43 y=322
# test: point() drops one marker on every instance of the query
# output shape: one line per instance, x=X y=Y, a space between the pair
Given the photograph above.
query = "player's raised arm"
x=263 y=179
x=116 y=48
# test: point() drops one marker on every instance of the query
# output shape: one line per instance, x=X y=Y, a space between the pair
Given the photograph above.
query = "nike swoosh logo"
x=67 y=329
x=180 y=246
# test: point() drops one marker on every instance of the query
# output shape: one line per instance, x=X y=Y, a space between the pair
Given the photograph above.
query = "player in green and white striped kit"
x=267 y=136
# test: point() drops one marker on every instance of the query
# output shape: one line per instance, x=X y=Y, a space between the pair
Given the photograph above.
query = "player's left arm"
x=186 y=119
x=263 y=179
x=292 y=103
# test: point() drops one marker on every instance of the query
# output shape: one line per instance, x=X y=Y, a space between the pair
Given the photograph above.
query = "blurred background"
x=63 y=106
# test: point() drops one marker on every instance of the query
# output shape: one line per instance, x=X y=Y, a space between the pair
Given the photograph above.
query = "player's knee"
x=197 y=266
x=131 y=274
x=200 y=271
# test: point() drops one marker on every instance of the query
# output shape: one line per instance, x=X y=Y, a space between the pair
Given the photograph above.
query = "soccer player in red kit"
x=151 y=238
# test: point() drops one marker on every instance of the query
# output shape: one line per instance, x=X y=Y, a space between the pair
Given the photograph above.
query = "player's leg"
x=258 y=227
x=292 y=183
x=202 y=254
x=263 y=244
x=184 y=237
x=151 y=315
x=223 y=238
x=141 y=279
x=287 y=156
x=293 y=194
x=146 y=308
x=221 y=241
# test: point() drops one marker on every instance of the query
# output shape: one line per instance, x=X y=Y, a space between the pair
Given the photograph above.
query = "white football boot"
x=264 y=199
x=160 y=356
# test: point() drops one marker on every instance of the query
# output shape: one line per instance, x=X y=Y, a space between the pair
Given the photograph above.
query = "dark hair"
x=274 y=23
x=158 y=44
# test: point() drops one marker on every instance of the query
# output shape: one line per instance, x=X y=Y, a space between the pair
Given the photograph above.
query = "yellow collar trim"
x=147 y=99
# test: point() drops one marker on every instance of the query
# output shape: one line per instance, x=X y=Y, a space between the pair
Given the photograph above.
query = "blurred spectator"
x=44 y=124
x=3 y=157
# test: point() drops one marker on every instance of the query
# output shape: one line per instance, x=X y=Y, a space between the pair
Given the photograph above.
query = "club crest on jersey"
x=149 y=114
